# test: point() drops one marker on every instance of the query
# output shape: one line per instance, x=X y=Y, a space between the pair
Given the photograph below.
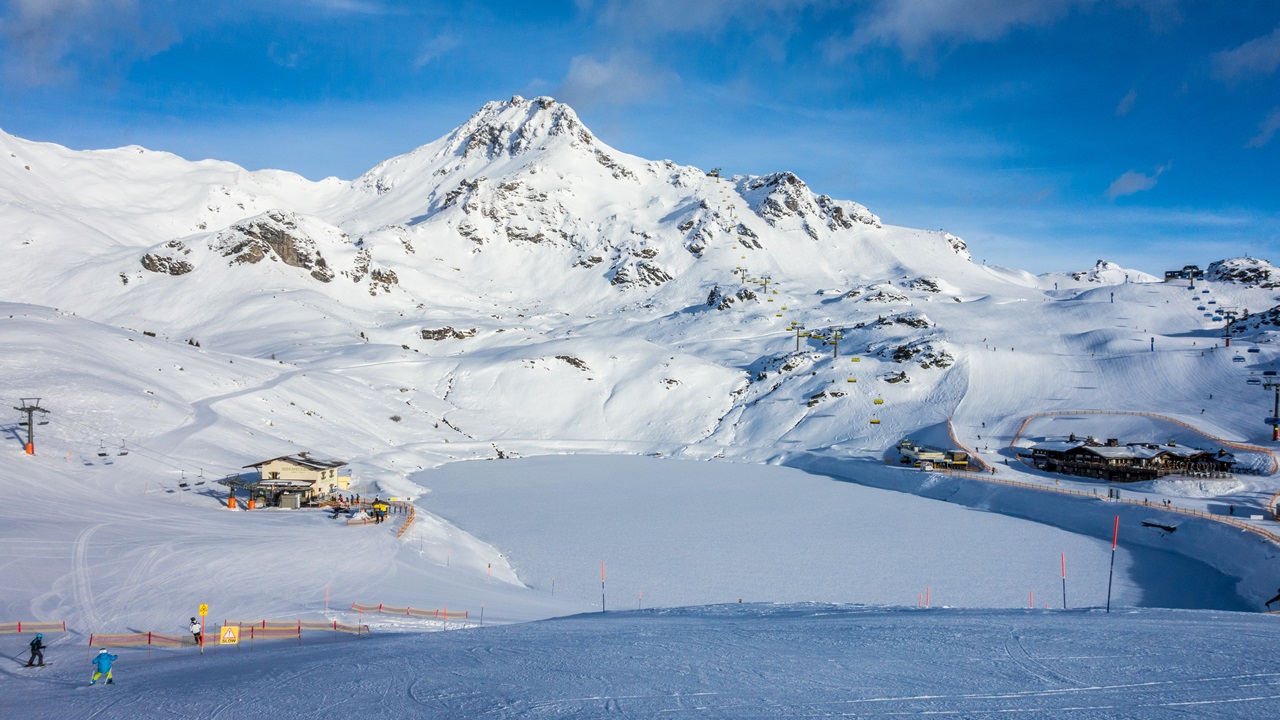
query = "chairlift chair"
x=1255 y=350
x=1254 y=381
x=123 y=450
x=102 y=449
x=1238 y=358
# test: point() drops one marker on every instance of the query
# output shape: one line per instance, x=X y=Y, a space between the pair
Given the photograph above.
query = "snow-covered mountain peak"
x=516 y=126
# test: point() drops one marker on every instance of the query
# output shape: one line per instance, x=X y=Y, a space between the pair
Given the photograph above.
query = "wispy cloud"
x=1258 y=57
x=698 y=16
x=1126 y=103
x=1135 y=182
x=435 y=47
x=918 y=27
x=358 y=7
x=50 y=41
x=624 y=78
x=1266 y=129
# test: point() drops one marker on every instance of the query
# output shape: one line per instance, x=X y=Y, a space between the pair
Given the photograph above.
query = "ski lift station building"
x=920 y=456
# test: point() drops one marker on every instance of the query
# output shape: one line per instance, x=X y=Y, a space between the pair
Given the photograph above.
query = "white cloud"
x=1126 y=103
x=1134 y=182
x=49 y=41
x=660 y=16
x=1266 y=129
x=918 y=27
x=622 y=79
x=435 y=47
x=1259 y=56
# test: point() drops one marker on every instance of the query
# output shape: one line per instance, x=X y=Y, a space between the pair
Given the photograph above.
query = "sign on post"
x=230 y=635
x=204 y=609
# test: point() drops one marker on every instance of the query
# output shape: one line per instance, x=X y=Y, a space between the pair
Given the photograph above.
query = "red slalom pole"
x=1114 y=537
x=1064 y=581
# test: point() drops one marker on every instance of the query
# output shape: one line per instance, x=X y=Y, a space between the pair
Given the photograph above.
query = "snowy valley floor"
x=829 y=570
x=727 y=661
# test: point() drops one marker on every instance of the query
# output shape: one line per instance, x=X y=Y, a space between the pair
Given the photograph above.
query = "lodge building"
x=1131 y=462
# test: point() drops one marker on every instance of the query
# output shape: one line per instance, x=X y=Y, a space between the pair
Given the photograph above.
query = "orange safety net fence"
x=137 y=639
x=22 y=626
x=442 y=614
x=297 y=626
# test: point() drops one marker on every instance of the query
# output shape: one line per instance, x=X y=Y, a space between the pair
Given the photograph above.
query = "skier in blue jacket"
x=37 y=650
x=103 y=663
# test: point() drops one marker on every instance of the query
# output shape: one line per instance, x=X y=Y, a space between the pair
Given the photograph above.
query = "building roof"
x=304 y=460
x=1137 y=450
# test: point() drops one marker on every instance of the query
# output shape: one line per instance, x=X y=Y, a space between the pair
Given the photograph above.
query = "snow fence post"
x=1115 y=536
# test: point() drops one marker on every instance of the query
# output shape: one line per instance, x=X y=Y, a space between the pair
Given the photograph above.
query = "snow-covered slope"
x=519 y=288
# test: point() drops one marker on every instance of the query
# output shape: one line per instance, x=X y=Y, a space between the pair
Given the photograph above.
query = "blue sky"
x=1047 y=133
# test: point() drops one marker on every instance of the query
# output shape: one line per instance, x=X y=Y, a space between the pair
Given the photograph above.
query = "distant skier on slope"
x=195 y=630
x=1274 y=599
x=37 y=650
x=103 y=663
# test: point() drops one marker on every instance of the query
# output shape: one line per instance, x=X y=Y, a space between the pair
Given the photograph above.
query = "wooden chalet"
x=294 y=480
x=1131 y=462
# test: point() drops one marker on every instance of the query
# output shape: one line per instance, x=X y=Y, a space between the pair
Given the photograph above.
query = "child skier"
x=103 y=663
x=195 y=630
x=37 y=650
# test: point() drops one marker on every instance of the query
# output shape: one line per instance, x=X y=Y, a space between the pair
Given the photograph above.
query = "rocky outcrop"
x=783 y=200
x=275 y=235
x=167 y=264
x=1250 y=272
x=447 y=333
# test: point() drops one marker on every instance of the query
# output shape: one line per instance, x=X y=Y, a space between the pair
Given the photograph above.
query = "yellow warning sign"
x=230 y=635
x=204 y=609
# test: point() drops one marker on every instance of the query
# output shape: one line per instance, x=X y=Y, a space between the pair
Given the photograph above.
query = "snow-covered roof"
x=1140 y=451
x=303 y=460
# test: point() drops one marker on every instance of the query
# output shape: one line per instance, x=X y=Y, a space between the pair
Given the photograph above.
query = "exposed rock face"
x=276 y=235
x=957 y=245
x=167 y=264
x=447 y=333
x=1245 y=271
x=783 y=200
x=639 y=273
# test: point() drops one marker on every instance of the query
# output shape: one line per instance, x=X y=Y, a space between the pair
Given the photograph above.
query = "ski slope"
x=722 y=661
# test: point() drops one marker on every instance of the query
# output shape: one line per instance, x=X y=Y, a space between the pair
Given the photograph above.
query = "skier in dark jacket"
x=1274 y=599
x=103 y=663
x=37 y=650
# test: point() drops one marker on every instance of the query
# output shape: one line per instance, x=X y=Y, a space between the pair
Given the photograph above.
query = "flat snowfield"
x=675 y=532
x=728 y=661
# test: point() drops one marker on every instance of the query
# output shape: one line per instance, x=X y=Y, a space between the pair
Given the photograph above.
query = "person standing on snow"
x=103 y=663
x=37 y=650
x=195 y=630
